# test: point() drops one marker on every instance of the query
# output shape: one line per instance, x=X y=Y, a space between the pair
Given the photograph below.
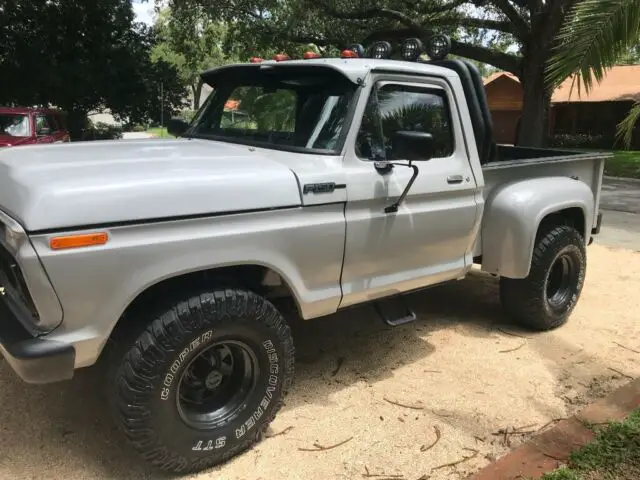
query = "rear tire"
x=203 y=381
x=545 y=299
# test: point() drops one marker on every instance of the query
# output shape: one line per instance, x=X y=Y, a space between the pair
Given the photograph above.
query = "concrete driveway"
x=621 y=206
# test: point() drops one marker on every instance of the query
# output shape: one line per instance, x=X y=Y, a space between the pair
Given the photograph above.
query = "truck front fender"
x=513 y=214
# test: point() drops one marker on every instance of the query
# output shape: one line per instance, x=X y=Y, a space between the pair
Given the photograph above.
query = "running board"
x=394 y=311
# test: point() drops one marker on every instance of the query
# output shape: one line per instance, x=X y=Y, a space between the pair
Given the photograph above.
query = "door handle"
x=452 y=179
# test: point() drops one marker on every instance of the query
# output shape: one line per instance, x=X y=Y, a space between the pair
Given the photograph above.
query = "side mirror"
x=414 y=146
x=177 y=126
x=44 y=131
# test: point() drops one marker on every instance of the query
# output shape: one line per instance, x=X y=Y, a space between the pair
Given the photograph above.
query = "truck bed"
x=519 y=163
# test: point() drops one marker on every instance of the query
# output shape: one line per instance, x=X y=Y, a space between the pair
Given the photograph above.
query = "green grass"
x=623 y=164
x=160 y=132
x=613 y=455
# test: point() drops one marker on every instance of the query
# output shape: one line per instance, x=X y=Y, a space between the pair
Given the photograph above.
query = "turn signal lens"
x=348 y=54
x=281 y=57
x=77 y=241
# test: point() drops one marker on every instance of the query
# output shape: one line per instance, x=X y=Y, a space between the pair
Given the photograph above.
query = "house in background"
x=596 y=114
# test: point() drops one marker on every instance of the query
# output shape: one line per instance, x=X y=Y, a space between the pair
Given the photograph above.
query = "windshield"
x=14 y=124
x=292 y=111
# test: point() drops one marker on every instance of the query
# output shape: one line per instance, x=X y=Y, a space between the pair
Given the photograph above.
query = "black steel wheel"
x=563 y=276
x=204 y=380
x=216 y=383
x=545 y=299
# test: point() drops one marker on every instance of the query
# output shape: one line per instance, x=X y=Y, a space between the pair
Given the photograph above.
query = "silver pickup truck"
x=334 y=181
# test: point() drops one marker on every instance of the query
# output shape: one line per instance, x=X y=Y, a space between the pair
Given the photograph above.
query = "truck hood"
x=108 y=182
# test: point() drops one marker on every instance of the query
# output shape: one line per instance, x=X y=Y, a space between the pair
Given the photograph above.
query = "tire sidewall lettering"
x=248 y=422
x=171 y=375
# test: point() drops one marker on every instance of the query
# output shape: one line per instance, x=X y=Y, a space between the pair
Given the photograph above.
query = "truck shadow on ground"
x=66 y=426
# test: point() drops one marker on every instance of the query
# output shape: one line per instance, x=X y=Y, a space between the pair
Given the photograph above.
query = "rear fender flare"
x=513 y=213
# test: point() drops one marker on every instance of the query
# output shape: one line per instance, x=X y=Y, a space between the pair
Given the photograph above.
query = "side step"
x=394 y=311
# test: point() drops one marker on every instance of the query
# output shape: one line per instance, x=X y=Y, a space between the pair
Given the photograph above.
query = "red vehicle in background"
x=28 y=126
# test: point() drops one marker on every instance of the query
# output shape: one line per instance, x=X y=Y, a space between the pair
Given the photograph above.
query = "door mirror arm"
x=414 y=146
x=393 y=208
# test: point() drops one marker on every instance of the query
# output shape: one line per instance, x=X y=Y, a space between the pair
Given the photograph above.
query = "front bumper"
x=34 y=359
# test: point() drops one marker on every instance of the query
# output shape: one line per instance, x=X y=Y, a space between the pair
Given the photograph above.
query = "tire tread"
x=133 y=381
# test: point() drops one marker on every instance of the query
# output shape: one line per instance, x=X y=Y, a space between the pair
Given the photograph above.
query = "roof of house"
x=620 y=84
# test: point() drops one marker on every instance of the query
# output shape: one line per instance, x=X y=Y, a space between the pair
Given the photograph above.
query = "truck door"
x=430 y=238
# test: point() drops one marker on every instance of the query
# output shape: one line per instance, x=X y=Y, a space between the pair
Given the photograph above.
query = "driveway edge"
x=548 y=450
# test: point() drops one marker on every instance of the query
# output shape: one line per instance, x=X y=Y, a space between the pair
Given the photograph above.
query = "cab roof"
x=26 y=110
x=355 y=69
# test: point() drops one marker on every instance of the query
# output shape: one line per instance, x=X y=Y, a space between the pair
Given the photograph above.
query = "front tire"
x=204 y=380
x=545 y=299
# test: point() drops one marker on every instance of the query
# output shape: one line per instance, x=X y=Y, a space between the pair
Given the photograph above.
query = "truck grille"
x=12 y=279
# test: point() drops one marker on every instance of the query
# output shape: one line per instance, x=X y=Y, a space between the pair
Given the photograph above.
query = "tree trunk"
x=533 y=126
x=76 y=124
x=197 y=92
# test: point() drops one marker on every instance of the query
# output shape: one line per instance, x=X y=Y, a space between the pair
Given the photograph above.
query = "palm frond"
x=595 y=35
x=625 y=127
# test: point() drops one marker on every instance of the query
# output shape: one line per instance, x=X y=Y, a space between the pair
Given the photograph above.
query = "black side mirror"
x=414 y=146
x=177 y=126
x=44 y=131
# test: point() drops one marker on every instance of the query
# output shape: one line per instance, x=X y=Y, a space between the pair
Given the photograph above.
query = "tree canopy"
x=511 y=35
x=81 y=56
x=191 y=43
x=597 y=36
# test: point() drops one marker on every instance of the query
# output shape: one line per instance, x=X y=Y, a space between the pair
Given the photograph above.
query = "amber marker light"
x=78 y=241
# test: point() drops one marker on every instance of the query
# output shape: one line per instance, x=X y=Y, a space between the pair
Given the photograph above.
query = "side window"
x=53 y=123
x=396 y=107
x=42 y=126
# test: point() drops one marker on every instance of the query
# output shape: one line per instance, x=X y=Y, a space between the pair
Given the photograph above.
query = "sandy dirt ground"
x=461 y=371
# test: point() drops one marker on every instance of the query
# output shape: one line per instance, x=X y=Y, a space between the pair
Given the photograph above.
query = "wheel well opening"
x=572 y=217
x=256 y=278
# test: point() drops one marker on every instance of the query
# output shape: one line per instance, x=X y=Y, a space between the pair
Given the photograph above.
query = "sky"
x=143 y=11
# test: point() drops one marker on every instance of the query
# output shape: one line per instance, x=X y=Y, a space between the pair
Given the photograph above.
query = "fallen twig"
x=433 y=371
x=555 y=420
x=283 y=432
x=621 y=373
x=338 y=367
x=424 y=448
x=513 y=349
x=412 y=407
x=627 y=348
x=464 y=459
x=479 y=439
x=379 y=475
x=512 y=334
x=503 y=431
x=526 y=426
x=321 y=448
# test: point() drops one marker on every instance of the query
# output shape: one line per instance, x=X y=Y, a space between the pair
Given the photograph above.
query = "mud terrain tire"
x=203 y=380
x=545 y=299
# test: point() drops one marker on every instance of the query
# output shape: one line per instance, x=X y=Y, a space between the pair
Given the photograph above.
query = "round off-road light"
x=438 y=47
x=380 y=50
x=411 y=49
x=357 y=49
